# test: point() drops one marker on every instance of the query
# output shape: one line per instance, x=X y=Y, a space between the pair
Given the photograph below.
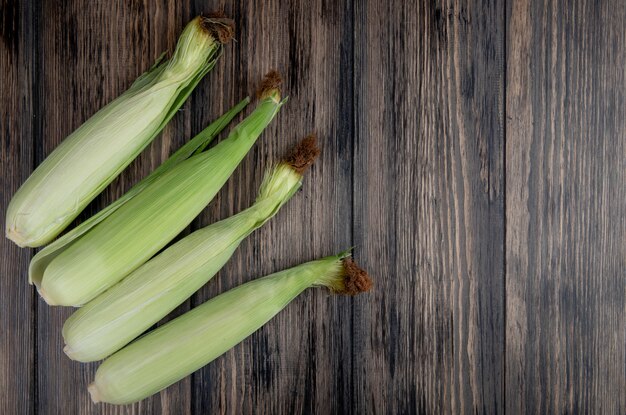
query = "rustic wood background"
x=474 y=154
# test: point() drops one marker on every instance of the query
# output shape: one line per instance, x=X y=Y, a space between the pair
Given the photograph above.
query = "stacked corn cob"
x=108 y=265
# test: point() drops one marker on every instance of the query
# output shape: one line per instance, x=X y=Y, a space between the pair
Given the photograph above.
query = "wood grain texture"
x=16 y=160
x=429 y=207
x=474 y=153
x=566 y=207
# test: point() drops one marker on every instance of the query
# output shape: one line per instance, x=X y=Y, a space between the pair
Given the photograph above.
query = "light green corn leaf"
x=148 y=76
x=144 y=224
x=202 y=139
x=182 y=346
x=126 y=310
x=41 y=260
x=95 y=153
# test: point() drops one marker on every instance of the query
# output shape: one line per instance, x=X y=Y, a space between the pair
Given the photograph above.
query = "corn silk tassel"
x=139 y=228
x=97 y=152
x=199 y=336
x=132 y=306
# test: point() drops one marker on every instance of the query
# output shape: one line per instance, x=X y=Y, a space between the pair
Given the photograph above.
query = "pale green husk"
x=134 y=232
x=123 y=312
x=194 y=339
x=93 y=155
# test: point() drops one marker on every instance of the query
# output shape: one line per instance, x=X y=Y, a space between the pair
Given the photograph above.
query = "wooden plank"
x=566 y=204
x=300 y=361
x=16 y=161
x=89 y=54
x=428 y=207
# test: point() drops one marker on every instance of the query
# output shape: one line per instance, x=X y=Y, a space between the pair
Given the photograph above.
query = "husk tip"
x=94 y=393
x=346 y=254
x=12 y=234
x=304 y=154
x=68 y=352
x=44 y=295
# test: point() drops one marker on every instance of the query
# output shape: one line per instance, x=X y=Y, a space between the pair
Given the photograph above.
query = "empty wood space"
x=474 y=154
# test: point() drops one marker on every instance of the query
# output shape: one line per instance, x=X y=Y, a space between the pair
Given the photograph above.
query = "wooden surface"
x=566 y=208
x=474 y=153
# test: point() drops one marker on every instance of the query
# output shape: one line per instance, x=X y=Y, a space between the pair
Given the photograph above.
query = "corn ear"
x=123 y=312
x=93 y=155
x=199 y=336
x=144 y=224
x=41 y=260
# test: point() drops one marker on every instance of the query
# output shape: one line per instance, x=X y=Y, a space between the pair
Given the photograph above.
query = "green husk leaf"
x=124 y=311
x=41 y=260
x=152 y=73
x=185 y=344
